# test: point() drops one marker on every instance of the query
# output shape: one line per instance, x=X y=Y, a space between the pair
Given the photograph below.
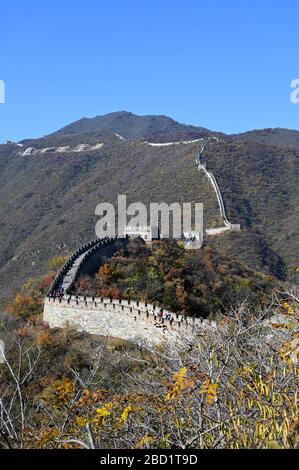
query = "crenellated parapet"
x=69 y=273
x=130 y=320
x=120 y=318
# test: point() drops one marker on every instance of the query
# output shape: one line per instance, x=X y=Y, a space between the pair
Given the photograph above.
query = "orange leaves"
x=46 y=281
x=25 y=305
x=181 y=295
x=89 y=397
x=84 y=283
x=64 y=389
x=181 y=383
x=46 y=437
x=104 y=272
x=44 y=338
x=110 y=292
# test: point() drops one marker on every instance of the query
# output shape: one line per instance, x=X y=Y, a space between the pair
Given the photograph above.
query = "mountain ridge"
x=133 y=126
x=48 y=199
x=155 y=126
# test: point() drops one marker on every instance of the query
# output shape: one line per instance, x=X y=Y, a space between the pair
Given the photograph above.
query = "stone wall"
x=85 y=260
x=227 y=224
x=134 y=321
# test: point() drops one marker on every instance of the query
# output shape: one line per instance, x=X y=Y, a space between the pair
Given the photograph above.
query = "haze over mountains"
x=48 y=196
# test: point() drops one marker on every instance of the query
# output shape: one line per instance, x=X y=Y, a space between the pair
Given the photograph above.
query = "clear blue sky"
x=226 y=65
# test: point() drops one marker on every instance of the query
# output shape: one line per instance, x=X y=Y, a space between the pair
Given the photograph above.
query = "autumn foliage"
x=24 y=305
x=236 y=387
x=201 y=282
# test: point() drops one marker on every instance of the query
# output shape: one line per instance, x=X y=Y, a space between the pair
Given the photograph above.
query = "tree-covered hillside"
x=48 y=200
x=199 y=283
x=234 y=387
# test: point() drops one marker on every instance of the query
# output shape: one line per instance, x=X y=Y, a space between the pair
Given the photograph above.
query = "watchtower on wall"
x=146 y=232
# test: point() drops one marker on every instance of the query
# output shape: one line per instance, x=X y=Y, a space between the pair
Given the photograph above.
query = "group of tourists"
x=162 y=315
x=165 y=315
x=59 y=294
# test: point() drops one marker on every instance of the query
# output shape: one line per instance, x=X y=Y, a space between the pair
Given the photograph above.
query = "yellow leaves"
x=103 y=413
x=105 y=410
x=58 y=392
x=285 y=326
x=28 y=285
x=124 y=416
x=56 y=263
x=126 y=412
x=81 y=421
x=289 y=309
x=264 y=390
x=180 y=384
x=284 y=429
x=64 y=388
x=111 y=410
x=249 y=403
x=290 y=351
x=260 y=431
x=209 y=390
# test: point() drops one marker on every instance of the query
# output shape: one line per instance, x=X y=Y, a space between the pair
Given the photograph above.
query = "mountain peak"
x=133 y=126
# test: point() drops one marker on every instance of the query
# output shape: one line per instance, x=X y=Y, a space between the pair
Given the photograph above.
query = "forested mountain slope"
x=48 y=197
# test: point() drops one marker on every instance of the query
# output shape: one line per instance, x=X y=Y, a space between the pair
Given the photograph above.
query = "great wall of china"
x=129 y=320
x=119 y=318
x=228 y=226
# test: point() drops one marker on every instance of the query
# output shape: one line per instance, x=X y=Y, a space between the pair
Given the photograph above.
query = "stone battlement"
x=129 y=320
